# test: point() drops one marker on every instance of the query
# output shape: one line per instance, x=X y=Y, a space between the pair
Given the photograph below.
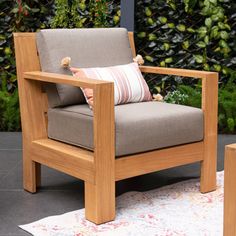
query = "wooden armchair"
x=99 y=167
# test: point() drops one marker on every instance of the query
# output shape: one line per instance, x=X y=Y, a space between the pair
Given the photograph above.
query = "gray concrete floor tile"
x=10 y=140
x=9 y=159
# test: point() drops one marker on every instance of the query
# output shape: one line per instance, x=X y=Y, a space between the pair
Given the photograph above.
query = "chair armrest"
x=103 y=108
x=177 y=72
x=64 y=79
x=209 y=100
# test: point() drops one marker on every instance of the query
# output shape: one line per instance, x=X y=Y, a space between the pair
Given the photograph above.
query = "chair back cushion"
x=99 y=47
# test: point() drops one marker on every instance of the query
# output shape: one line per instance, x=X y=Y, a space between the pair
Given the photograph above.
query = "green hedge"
x=191 y=33
x=85 y=13
x=191 y=96
x=199 y=34
x=16 y=16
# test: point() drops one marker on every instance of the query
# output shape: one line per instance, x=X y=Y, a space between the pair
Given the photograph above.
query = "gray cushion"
x=87 y=48
x=140 y=127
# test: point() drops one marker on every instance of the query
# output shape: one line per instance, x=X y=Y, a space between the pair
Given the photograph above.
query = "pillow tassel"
x=65 y=62
x=139 y=59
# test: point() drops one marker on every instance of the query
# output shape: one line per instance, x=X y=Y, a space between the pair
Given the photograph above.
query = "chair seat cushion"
x=139 y=127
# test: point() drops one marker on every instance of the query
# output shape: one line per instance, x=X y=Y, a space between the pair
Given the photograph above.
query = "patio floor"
x=61 y=193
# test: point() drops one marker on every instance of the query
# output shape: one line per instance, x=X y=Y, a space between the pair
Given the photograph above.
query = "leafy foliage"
x=191 y=33
x=184 y=95
x=227 y=105
x=9 y=104
x=85 y=13
x=16 y=16
x=191 y=96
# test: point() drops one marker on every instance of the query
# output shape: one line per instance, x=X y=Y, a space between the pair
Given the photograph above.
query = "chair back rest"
x=98 y=47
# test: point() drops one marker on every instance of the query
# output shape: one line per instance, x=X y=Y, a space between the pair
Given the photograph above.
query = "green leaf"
x=227 y=27
x=116 y=19
x=158 y=89
x=152 y=37
x=149 y=58
x=217 y=67
x=213 y=1
x=214 y=32
x=172 y=5
x=206 y=67
x=162 y=19
x=218 y=49
x=185 y=45
x=189 y=4
x=202 y=31
x=206 y=39
x=215 y=17
x=224 y=35
x=148 y=12
x=190 y=30
x=15 y=10
x=223 y=44
x=166 y=46
x=231 y=124
x=150 y=21
x=168 y=60
x=221 y=25
x=171 y=25
x=199 y=58
x=162 y=64
x=82 y=6
x=208 y=22
x=8 y=51
x=142 y=35
x=226 y=50
x=201 y=44
x=181 y=27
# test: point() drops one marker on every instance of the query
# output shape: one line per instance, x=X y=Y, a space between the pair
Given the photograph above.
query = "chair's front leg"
x=210 y=108
x=100 y=201
x=209 y=165
x=230 y=191
x=100 y=196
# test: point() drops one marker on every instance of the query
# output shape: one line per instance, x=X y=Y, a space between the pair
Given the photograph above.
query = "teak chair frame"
x=100 y=169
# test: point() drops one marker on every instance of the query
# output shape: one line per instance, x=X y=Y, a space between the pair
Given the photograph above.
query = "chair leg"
x=100 y=202
x=31 y=173
x=229 y=191
x=38 y=174
x=209 y=166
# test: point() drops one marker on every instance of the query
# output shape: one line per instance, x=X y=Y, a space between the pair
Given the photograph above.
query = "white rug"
x=175 y=210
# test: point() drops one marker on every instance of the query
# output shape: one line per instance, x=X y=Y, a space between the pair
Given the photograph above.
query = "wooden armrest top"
x=231 y=146
x=179 y=72
x=64 y=79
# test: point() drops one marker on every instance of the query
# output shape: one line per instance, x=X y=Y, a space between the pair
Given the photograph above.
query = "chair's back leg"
x=210 y=107
x=32 y=105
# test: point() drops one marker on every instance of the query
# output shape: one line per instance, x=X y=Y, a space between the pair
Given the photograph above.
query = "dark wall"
x=127 y=14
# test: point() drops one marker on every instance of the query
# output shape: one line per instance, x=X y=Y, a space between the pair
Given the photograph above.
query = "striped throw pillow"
x=129 y=84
